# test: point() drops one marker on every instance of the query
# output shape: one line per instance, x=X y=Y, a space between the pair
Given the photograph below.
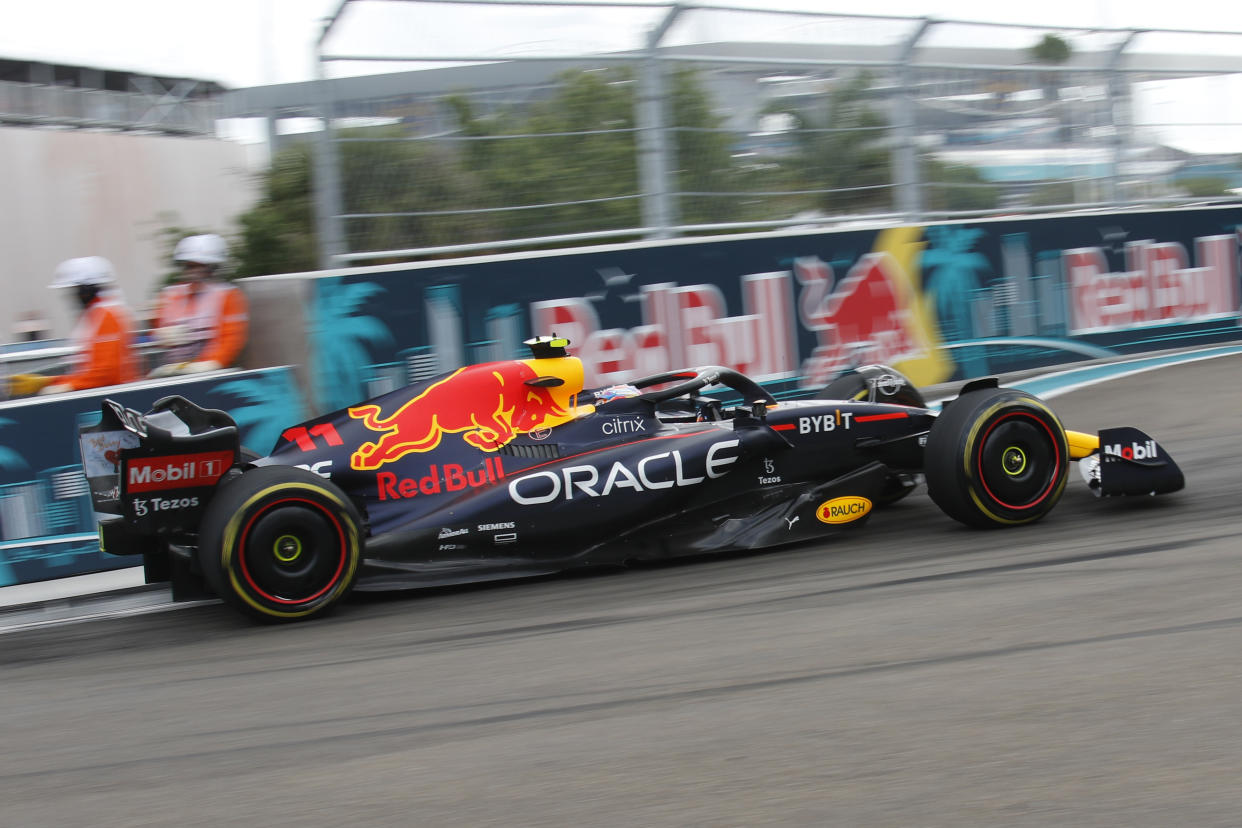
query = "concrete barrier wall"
x=940 y=302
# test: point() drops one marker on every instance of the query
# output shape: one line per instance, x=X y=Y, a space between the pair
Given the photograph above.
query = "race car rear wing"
x=154 y=473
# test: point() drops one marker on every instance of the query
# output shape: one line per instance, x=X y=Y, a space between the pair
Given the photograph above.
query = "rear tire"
x=280 y=543
x=996 y=457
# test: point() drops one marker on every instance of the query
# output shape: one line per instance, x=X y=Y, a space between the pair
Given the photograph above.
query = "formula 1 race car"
x=511 y=468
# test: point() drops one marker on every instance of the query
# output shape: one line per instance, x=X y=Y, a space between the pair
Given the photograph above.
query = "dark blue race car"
x=512 y=468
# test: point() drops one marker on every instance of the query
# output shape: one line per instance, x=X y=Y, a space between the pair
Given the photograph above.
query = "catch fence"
x=533 y=124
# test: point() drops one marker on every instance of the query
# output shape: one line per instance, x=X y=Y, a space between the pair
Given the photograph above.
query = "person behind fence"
x=103 y=338
x=201 y=321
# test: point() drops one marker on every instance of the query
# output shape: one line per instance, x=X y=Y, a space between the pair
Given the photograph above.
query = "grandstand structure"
x=37 y=93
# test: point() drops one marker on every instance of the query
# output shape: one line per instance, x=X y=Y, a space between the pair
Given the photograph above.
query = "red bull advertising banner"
x=939 y=302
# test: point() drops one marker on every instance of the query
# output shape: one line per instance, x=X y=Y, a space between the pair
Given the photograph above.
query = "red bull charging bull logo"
x=876 y=313
x=487 y=404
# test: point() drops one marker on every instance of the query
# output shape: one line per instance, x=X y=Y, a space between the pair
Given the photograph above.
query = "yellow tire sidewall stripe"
x=970 y=446
x=233 y=527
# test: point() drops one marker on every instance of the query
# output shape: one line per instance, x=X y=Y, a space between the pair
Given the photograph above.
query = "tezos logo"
x=143 y=506
x=843 y=509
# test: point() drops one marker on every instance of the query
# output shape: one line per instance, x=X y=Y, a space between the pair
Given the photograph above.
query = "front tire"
x=996 y=457
x=280 y=543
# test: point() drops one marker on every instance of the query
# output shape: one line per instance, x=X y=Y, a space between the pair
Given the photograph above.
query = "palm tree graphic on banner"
x=339 y=339
x=953 y=267
x=273 y=401
x=9 y=459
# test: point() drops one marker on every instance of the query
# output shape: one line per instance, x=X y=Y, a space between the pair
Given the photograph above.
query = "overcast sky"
x=243 y=43
x=252 y=42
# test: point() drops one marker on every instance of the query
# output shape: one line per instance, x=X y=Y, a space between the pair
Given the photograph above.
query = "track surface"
x=1083 y=671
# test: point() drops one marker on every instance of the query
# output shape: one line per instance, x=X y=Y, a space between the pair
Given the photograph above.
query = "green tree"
x=1053 y=194
x=843 y=150
x=420 y=183
x=558 y=162
x=954 y=187
x=382 y=172
x=278 y=233
x=1204 y=186
x=575 y=149
x=703 y=154
x=1051 y=49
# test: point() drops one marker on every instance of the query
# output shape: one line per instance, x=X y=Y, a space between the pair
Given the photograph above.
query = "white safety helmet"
x=88 y=270
x=208 y=249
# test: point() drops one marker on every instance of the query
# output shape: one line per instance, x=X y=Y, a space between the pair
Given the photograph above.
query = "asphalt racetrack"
x=1084 y=671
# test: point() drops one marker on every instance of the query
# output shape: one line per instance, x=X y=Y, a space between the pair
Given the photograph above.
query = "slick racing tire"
x=280 y=543
x=996 y=457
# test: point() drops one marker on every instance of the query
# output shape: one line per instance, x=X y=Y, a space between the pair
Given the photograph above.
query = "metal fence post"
x=908 y=178
x=327 y=178
x=654 y=149
x=1119 y=114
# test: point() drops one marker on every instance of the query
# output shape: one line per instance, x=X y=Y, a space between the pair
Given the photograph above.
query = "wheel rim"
x=293 y=551
x=1019 y=461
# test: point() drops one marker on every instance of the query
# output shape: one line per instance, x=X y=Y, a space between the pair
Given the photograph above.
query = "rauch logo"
x=843 y=509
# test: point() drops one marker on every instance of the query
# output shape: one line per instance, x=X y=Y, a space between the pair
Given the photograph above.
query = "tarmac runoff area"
x=1081 y=671
x=83 y=595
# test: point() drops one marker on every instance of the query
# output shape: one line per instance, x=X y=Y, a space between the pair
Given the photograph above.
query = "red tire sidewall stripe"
x=1056 y=471
x=241 y=551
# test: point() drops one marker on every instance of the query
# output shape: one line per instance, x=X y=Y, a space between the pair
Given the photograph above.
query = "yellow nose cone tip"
x=1081 y=445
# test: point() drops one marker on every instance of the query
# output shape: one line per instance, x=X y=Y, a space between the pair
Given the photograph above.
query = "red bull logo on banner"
x=682 y=325
x=487 y=404
x=876 y=313
x=1159 y=285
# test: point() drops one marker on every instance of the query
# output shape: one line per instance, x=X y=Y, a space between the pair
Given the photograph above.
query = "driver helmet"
x=615 y=392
